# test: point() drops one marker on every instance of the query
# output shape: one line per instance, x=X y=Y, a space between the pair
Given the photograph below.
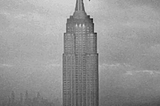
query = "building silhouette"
x=28 y=101
x=80 y=60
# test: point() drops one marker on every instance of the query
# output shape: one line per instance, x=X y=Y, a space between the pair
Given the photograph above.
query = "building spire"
x=79 y=5
x=79 y=10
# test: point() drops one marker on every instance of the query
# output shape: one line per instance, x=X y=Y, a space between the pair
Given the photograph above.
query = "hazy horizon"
x=31 y=47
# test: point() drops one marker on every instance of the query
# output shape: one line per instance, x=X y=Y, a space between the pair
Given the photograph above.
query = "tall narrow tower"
x=80 y=60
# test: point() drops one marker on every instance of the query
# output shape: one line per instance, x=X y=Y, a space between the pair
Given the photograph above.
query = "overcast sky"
x=31 y=47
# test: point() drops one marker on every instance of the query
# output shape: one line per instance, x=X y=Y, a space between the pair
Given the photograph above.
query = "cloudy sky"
x=31 y=47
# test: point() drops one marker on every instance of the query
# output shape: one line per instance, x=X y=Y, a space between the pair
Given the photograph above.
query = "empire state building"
x=80 y=60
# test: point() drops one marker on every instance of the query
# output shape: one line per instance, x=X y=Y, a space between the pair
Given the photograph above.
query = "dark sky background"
x=31 y=47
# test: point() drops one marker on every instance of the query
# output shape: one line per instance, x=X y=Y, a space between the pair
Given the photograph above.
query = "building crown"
x=79 y=10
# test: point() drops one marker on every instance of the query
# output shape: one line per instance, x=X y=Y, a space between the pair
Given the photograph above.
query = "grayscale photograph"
x=79 y=52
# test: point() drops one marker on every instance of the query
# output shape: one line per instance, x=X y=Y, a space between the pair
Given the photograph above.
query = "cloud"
x=127 y=84
x=155 y=49
x=27 y=34
x=149 y=72
x=129 y=73
x=29 y=17
x=4 y=22
x=126 y=69
x=116 y=66
x=127 y=34
x=155 y=4
x=152 y=3
x=104 y=65
x=53 y=65
x=6 y=65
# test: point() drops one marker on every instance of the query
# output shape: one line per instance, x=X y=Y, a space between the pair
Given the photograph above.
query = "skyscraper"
x=80 y=60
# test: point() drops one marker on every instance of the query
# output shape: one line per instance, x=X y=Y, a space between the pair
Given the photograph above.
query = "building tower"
x=80 y=60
